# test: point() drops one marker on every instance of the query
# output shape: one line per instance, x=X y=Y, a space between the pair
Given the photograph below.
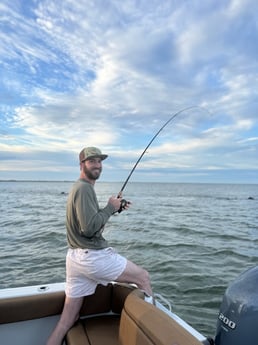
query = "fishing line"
x=123 y=202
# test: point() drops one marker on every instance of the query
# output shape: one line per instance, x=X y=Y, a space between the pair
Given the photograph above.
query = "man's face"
x=92 y=168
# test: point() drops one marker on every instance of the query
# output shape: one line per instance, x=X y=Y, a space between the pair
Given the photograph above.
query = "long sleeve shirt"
x=84 y=219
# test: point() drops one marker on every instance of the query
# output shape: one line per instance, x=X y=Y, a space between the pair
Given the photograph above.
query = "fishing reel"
x=123 y=205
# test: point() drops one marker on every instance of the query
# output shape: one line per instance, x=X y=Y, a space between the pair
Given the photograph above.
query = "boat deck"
x=115 y=315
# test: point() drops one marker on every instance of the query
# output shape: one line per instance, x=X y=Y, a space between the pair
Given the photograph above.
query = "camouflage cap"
x=91 y=152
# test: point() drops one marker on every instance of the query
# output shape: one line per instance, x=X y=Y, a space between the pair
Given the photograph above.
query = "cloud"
x=75 y=74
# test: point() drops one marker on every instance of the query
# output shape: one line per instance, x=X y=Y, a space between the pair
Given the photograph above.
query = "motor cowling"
x=238 y=317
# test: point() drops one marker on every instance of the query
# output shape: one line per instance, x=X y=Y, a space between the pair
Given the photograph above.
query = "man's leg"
x=69 y=315
x=137 y=275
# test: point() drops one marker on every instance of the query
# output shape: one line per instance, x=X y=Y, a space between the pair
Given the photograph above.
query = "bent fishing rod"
x=123 y=201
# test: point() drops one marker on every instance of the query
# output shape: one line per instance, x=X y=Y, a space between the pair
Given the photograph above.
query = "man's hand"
x=119 y=204
x=124 y=205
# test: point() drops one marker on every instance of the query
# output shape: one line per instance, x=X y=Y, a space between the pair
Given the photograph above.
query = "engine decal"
x=226 y=321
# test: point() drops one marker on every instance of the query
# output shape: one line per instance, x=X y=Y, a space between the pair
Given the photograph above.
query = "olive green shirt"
x=84 y=219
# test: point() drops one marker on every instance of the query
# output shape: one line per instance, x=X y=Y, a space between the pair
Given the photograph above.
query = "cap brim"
x=102 y=157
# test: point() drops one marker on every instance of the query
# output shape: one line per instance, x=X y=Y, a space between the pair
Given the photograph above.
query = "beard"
x=92 y=174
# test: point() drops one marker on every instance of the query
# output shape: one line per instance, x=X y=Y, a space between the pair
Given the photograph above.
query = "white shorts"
x=86 y=268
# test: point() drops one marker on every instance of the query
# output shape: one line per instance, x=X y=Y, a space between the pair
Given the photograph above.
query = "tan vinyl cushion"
x=119 y=295
x=143 y=324
x=31 y=307
x=77 y=335
x=101 y=329
x=99 y=302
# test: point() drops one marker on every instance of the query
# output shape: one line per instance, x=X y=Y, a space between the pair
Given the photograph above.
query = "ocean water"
x=194 y=239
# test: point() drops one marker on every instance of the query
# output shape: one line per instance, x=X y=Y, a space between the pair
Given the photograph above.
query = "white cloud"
x=76 y=74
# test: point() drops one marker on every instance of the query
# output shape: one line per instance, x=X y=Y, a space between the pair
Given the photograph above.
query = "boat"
x=121 y=314
x=116 y=314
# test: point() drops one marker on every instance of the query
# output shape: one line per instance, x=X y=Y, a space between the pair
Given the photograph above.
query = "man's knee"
x=135 y=274
x=145 y=276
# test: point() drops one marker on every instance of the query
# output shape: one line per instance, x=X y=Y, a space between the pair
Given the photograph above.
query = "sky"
x=111 y=73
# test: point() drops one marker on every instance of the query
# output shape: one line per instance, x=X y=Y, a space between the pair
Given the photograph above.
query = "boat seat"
x=94 y=328
x=95 y=331
x=143 y=324
x=133 y=321
x=15 y=309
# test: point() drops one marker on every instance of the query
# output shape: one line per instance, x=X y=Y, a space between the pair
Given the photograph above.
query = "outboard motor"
x=238 y=317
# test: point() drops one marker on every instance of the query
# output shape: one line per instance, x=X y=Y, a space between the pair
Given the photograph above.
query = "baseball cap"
x=91 y=152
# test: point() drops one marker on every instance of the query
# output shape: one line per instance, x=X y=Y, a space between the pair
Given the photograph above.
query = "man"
x=90 y=260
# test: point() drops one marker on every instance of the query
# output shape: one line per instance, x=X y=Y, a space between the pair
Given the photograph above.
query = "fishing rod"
x=123 y=201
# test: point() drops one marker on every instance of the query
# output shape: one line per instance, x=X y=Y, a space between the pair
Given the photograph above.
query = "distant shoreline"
x=136 y=182
x=12 y=180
